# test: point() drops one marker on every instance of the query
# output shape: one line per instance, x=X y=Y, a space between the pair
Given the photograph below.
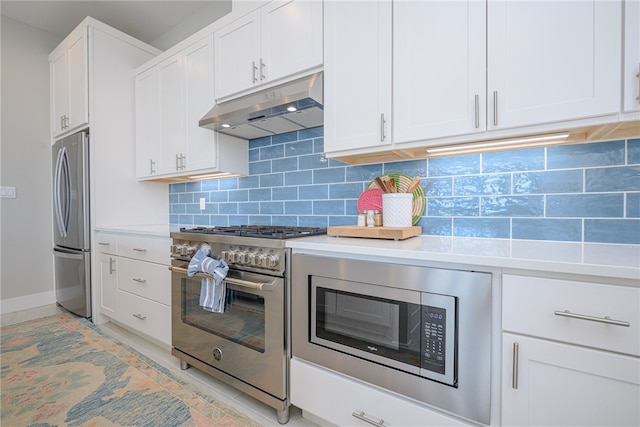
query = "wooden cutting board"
x=394 y=233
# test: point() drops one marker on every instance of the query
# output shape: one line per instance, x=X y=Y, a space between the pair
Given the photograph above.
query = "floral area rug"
x=63 y=371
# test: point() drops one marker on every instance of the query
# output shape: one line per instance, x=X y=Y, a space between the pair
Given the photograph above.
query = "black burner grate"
x=260 y=231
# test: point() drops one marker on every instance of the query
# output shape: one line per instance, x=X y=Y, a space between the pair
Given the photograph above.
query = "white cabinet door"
x=291 y=35
x=237 y=50
x=78 y=83
x=171 y=114
x=439 y=69
x=553 y=384
x=59 y=66
x=69 y=84
x=551 y=61
x=199 y=98
x=147 y=124
x=108 y=284
x=357 y=75
x=280 y=39
x=631 y=85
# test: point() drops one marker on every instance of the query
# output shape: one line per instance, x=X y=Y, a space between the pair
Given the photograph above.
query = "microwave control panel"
x=434 y=341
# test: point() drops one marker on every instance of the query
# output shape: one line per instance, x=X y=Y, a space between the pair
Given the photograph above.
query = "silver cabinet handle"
x=495 y=108
x=262 y=66
x=66 y=122
x=514 y=372
x=177 y=162
x=139 y=249
x=477 y=108
x=183 y=159
x=606 y=319
x=62 y=122
x=152 y=166
x=638 y=87
x=111 y=262
x=139 y=280
x=254 y=68
x=362 y=416
x=104 y=243
x=140 y=316
x=382 y=123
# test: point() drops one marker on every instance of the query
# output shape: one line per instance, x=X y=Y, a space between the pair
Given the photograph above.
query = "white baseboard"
x=11 y=305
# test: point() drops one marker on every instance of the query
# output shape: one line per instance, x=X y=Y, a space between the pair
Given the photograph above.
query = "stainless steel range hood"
x=291 y=106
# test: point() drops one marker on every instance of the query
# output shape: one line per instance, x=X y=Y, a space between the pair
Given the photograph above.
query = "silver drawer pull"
x=606 y=319
x=140 y=249
x=140 y=316
x=362 y=416
x=139 y=280
x=104 y=243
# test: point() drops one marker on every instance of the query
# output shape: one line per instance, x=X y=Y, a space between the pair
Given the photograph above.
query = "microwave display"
x=407 y=330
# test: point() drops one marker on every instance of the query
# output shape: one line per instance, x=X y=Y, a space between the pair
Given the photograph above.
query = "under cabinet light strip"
x=505 y=143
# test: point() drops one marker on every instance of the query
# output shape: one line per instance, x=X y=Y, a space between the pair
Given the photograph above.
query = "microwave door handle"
x=238 y=282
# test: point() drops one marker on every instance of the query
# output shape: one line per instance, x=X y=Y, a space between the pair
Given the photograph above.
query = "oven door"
x=247 y=340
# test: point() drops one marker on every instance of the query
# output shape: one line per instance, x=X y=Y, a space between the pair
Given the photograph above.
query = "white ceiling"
x=145 y=20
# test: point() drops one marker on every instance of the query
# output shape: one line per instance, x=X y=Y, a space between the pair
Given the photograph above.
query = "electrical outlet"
x=8 y=192
x=202 y=204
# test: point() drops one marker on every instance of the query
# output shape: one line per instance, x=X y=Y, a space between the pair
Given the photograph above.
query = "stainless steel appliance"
x=72 y=241
x=247 y=345
x=419 y=331
x=285 y=108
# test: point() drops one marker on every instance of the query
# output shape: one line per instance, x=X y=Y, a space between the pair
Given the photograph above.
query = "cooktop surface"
x=260 y=231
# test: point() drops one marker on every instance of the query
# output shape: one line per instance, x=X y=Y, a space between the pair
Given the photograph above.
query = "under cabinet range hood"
x=291 y=106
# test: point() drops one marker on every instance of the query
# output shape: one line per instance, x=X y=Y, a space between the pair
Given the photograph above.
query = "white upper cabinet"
x=357 y=75
x=69 y=84
x=171 y=115
x=552 y=61
x=147 y=119
x=631 y=85
x=280 y=39
x=439 y=69
x=171 y=98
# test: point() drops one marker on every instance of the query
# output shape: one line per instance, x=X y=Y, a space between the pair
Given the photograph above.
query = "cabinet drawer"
x=107 y=243
x=537 y=306
x=335 y=398
x=145 y=279
x=146 y=316
x=145 y=248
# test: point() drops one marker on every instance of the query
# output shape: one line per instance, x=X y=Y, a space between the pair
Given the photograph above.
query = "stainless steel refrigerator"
x=72 y=236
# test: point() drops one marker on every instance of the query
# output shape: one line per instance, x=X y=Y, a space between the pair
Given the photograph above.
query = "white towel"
x=212 y=291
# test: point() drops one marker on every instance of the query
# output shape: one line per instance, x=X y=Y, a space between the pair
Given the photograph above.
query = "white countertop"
x=158 y=230
x=604 y=260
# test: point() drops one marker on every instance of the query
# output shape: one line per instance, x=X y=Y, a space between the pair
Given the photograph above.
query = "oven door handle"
x=239 y=282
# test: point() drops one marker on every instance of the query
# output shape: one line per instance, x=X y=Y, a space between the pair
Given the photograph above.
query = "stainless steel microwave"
x=408 y=330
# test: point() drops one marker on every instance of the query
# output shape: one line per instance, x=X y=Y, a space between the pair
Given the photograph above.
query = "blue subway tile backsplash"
x=588 y=192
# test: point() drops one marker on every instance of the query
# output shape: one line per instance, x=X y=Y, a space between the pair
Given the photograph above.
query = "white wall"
x=26 y=260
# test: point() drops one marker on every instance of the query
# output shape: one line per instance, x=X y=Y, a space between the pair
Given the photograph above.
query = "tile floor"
x=224 y=393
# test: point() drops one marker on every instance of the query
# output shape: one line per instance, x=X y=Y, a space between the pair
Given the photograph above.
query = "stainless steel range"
x=246 y=346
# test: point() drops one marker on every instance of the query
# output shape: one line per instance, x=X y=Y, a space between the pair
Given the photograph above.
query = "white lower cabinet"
x=552 y=384
x=570 y=353
x=134 y=282
x=342 y=401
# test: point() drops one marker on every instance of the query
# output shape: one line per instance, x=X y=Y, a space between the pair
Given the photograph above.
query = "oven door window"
x=242 y=322
x=379 y=326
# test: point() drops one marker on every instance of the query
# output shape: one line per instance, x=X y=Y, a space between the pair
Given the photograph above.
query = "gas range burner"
x=259 y=231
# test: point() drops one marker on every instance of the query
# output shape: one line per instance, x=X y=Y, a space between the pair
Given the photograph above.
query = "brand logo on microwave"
x=372 y=348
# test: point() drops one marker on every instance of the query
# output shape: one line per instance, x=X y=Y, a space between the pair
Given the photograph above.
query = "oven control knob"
x=188 y=250
x=217 y=354
x=257 y=260
x=226 y=255
x=244 y=257
x=270 y=261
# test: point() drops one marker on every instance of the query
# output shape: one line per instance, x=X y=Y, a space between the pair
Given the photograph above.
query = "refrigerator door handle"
x=56 y=193
x=67 y=182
